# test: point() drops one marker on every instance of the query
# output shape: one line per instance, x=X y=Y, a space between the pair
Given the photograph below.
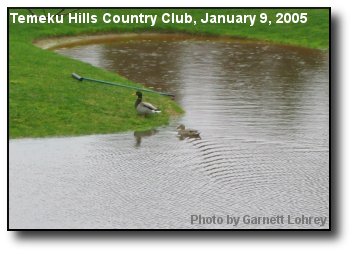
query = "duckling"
x=187 y=133
x=144 y=108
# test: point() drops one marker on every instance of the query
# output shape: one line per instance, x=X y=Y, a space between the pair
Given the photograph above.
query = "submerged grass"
x=45 y=101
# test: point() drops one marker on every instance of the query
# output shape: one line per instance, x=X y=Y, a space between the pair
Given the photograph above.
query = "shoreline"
x=51 y=43
x=63 y=41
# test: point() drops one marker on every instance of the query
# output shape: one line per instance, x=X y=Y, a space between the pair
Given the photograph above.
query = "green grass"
x=45 y=101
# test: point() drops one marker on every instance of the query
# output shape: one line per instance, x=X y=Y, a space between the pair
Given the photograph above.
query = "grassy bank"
x=46 y=101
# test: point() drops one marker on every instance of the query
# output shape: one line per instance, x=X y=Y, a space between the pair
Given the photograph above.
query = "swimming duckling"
x=144 y=108
x=187 y=133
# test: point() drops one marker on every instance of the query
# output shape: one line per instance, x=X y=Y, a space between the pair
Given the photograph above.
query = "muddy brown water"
x=263 y=114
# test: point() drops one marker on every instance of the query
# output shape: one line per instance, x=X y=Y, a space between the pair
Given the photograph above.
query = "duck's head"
x=181 y=127
x=139 y=94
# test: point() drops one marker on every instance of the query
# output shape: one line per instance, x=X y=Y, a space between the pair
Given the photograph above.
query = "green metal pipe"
x=78 y=77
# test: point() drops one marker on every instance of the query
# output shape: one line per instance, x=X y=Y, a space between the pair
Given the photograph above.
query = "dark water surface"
x=263 y=114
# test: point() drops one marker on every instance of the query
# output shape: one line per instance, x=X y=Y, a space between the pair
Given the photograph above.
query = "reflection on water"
x=139 y=135
x=262 y=110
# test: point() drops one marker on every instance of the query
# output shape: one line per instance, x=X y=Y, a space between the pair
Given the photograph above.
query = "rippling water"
x=263 y=114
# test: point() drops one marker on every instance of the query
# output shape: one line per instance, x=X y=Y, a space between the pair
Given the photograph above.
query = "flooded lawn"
x=263 y=114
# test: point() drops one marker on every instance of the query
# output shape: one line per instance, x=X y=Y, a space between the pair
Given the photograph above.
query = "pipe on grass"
x=78 y=77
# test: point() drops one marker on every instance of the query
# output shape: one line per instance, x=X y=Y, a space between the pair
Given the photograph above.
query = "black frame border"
x=174 y=230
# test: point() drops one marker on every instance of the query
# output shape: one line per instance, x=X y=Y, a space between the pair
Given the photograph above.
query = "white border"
x=242 y=242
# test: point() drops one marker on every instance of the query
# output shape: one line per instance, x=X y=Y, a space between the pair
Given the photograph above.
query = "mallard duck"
x=144 y=108
x=187 y=133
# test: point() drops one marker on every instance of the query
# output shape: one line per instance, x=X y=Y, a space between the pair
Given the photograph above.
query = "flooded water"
x=263 y=114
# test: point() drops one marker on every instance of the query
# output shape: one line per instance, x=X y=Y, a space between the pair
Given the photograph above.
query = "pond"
x=263 y=114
